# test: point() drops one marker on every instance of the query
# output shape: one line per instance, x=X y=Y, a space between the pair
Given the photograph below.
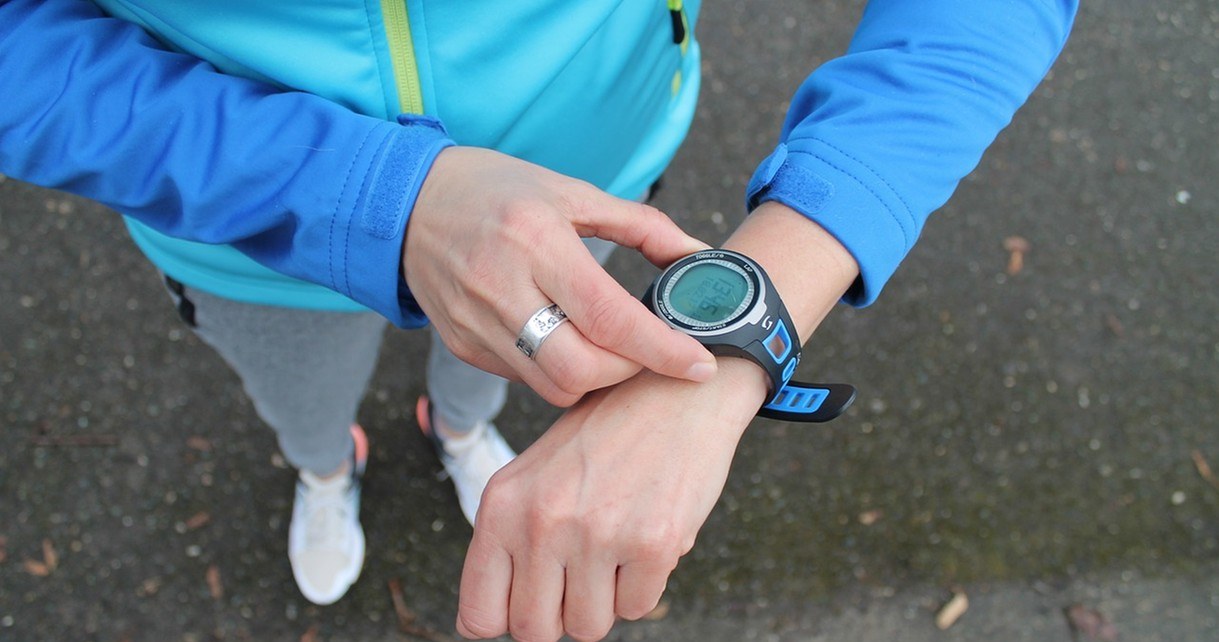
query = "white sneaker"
x=325 y=540
x=470 y=460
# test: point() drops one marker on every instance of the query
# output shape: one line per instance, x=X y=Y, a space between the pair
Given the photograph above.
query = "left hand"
x=588 y=523
x=493 y=238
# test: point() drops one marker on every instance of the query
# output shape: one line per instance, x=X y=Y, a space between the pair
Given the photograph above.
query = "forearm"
x=93 y=105
x=809 y=267
x=877 y=139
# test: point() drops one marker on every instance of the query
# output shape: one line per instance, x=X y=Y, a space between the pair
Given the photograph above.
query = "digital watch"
x=725 y=301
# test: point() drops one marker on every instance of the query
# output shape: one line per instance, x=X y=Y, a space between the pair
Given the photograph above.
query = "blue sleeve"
x=877 y=139
x=94 y=106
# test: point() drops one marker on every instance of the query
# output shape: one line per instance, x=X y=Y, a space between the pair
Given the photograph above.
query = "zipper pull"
x=679 y=25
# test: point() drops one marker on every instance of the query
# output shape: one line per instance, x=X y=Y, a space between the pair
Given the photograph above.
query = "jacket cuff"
x=367 y=257
x=847 y=199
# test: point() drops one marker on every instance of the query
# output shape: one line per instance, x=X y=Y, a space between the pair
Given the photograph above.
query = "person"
x=299 y=173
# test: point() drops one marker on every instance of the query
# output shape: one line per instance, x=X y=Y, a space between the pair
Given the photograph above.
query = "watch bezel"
x=749 y=312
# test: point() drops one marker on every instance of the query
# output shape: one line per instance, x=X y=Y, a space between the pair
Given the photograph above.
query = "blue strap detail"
x=790 y=369
x=803 y=401
x=781 y=332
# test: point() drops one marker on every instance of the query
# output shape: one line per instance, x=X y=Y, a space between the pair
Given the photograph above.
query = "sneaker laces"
x=326 y=512
x=471 y=451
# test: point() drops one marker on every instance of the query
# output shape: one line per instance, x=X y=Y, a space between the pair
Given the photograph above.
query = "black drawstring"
x=186 y=309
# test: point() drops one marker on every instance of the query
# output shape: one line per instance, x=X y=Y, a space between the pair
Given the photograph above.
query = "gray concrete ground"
x=1033 y=440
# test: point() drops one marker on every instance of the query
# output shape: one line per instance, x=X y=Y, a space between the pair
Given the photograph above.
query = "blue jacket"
x=258 y=150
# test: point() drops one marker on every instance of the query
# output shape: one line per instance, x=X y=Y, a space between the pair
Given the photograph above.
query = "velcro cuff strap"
x=856 y=212
x=372 y=249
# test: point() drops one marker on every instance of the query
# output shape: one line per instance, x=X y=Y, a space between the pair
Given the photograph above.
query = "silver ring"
x=538 y=327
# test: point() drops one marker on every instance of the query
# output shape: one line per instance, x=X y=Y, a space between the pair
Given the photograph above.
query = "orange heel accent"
x=423 y=415
x=361 y=442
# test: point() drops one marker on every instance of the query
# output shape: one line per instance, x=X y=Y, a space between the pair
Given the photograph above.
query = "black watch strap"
x=809 y=402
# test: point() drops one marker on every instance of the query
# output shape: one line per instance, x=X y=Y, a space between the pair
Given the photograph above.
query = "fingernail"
x=701 y=372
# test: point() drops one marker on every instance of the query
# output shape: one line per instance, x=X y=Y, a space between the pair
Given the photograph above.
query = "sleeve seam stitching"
x=868 y=188
x=339 y=204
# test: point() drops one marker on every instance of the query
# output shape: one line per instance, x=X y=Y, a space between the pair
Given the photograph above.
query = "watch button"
x=790 y=369
x=779 y=343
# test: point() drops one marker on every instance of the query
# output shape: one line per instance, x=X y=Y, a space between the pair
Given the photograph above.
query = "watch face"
x=709 y=293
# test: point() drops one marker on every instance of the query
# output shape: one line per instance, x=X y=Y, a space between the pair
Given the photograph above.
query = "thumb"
x=637 y=226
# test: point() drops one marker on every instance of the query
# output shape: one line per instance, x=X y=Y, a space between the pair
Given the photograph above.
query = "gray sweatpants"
x=306 y=371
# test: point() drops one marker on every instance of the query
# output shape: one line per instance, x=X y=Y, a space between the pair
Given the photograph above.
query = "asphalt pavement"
x=1034 y=437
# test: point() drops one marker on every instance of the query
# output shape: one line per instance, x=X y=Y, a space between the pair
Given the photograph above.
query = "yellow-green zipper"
x=681 y=26
x=402 y=53
x=681 y=36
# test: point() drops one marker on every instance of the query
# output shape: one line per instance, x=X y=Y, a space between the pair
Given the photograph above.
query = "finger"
x=634 y=225
x=486 y=580
x=610 y=317
x=577 y=365
x=535 y=606
x=588 y=600
x=562 y=370
x=639 y=588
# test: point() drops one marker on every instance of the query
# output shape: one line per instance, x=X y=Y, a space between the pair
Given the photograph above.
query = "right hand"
x=493 y=238
x=587 y=523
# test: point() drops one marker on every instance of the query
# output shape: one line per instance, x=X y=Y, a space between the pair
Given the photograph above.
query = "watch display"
x=725 y=300
x=709 y=293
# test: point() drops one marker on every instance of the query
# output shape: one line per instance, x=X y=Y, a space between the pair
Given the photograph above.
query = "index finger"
x=635 y=225
x=607 y=315
x=486 y=580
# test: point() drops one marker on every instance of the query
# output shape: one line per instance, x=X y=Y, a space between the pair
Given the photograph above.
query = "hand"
x=587 y=524
x=492 y=239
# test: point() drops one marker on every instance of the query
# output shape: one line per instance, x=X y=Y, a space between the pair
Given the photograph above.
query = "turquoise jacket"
x=272 y=152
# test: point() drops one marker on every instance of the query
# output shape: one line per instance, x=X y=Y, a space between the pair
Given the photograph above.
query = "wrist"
x=808 y=266
x=745 y=379
x=731 y=398
x=738 y=389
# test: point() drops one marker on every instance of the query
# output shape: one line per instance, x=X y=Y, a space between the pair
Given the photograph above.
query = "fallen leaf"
x=952 y=610
x=49 y=557
x=1090 y=623
x=869 y=517
x=3 y=548
x=37 y=569
x=406 y=617
x=149 y=587
x=1016 y=246
x=198 y=519
x=213 y=582
x=1204 y=468
x=659 y=613
x=199 y=443
x=310 y=635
